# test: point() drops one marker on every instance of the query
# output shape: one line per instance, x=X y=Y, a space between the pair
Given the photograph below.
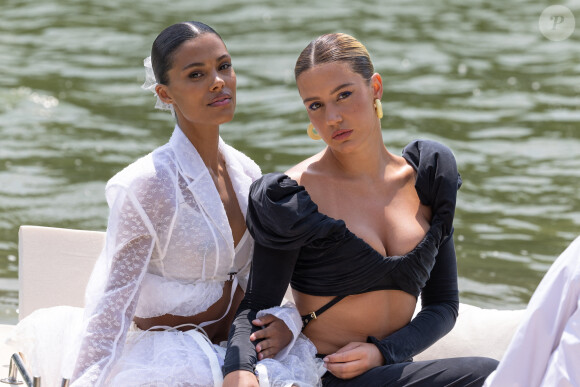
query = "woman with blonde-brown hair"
x=359 y=233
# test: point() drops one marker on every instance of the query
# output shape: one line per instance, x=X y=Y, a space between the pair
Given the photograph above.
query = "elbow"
x=453 y=307
x=446 y=312
x=452 y=312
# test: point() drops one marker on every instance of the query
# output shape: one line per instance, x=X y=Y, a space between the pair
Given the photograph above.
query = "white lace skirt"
x=152 y=358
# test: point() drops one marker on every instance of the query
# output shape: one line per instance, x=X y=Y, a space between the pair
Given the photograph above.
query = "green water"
x=479 y=77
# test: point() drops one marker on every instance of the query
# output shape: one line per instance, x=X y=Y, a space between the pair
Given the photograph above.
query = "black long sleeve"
x=269 y=279
x=440 y=305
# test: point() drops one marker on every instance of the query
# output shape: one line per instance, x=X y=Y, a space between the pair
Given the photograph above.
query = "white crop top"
x=169 y=247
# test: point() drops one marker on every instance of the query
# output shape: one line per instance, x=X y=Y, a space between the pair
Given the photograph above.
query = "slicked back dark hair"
x=169 y=40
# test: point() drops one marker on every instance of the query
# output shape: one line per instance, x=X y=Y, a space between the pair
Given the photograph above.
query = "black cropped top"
x=319 y=255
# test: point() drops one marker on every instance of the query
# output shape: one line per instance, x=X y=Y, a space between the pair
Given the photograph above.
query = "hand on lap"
x=353 y=359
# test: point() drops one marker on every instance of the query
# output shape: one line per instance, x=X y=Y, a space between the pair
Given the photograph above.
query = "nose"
x=218 y=83
x=333 y=116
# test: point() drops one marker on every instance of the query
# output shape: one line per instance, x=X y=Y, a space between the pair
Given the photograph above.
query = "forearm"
x=440 y=305
x=269 y=279
x=108 y=320
x=430 y=324
x=101 y=343
x=241 y=354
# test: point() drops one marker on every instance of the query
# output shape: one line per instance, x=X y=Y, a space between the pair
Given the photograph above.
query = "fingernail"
x=258 y=348
x=325 y=360
x=260 y=356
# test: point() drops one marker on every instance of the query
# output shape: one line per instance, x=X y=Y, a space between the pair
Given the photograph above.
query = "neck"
x=205 y=139
x=369 y=160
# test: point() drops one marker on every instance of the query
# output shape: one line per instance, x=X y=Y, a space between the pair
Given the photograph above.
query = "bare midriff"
x=354 y=318
x=217 y=332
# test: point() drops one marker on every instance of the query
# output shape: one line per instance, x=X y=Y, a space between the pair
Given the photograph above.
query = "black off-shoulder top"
x=320 y=256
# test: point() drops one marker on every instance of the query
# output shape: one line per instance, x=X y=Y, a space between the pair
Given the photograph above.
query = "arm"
x=129 y=244
x=440 y=304
x=269 y=278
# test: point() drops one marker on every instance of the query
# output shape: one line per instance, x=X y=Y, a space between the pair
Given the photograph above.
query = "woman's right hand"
x=241 y=379
x=353 y=360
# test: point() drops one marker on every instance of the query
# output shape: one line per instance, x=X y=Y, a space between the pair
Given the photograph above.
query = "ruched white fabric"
x=169 y=249
x=168 y=358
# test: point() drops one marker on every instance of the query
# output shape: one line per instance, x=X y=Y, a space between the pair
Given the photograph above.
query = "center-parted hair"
x=336 y=47
x=169 y=40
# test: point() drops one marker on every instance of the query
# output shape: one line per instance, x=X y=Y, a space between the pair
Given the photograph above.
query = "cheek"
x=315 y=117
x=190 y=99
x=233 y=80
x=360 y=105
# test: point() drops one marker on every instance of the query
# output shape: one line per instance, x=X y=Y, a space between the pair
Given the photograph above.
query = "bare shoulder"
x=304 y=167
x=406 y=170
x=399 y=171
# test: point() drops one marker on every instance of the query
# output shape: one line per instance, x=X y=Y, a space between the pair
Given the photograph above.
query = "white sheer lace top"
x=169 y=247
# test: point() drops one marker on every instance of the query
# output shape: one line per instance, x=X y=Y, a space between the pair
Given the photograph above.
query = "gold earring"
x=312 y=133
x=379 y=108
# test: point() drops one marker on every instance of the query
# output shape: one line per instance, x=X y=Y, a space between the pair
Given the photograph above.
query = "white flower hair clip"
x=151 y=83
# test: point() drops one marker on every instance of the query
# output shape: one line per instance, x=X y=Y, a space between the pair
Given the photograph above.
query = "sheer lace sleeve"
x=113 y=289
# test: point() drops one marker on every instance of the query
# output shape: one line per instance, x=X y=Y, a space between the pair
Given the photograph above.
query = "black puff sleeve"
x=282 y=215
x=437 y=179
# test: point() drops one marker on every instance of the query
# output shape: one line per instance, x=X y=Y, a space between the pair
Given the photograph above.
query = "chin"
x=344 y=148
x=225 y=118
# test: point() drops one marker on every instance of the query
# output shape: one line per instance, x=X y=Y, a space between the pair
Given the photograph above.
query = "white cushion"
x=54 y=266
x=477 y=332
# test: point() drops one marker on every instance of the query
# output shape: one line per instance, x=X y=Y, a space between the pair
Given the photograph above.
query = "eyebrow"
x=199 y=64
x=332 y=92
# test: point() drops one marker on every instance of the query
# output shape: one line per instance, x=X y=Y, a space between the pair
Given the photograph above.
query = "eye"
x=314 y=105
x=344 y=94
x=225 y=66
x=195 y=75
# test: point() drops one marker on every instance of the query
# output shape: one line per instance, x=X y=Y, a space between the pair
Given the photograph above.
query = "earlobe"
x=161 y=91
x=377 y=84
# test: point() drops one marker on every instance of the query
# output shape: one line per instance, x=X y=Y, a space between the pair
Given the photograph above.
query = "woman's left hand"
x=275 y=335
x=353 y=359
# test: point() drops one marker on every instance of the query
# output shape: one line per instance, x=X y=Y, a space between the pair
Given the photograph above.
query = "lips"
x=341 y=134
x=221 y=100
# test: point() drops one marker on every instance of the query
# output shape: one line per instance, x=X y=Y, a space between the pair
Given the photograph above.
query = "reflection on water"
x=478 y=77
